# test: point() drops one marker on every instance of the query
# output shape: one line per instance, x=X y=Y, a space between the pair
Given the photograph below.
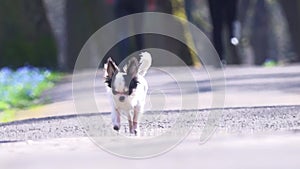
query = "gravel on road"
x=240 y=121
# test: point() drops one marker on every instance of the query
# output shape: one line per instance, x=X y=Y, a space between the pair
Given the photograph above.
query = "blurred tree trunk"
x=83 y=19
x=165 y=42
x=55 y=10
x=73 y=22
x=245 y=14
x=260 y=32
x=292 y=11
x=265 y=27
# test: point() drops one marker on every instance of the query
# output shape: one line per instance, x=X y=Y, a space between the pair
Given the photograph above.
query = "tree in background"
x=51 y=33
x=292 y=11
x=265 y=33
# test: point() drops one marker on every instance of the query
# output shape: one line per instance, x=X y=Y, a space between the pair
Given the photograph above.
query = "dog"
x=127 y=89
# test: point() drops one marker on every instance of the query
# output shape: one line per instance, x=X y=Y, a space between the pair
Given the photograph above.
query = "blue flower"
x=18 y=88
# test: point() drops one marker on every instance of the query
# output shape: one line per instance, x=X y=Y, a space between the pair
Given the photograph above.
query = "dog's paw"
x=136 y=132
x=117 y=128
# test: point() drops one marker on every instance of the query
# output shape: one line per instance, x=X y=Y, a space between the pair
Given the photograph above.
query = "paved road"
x=259 y=137
x=248 y=135
x=245 y=87
x=262 y=152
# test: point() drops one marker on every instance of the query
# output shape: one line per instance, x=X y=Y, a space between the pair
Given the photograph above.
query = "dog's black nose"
x=122 y=98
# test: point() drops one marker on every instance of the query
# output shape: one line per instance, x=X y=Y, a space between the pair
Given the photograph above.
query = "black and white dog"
x=127 y=89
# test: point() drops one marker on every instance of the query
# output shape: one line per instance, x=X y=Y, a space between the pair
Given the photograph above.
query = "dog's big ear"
x=132 y=68
x=110 y=67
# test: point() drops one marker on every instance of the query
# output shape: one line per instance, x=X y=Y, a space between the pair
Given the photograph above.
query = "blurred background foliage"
x=22 y=88
x=50 y=33
x=25 y=34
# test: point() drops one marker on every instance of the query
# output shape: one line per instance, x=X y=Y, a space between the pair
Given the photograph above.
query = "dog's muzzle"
x=121 y=98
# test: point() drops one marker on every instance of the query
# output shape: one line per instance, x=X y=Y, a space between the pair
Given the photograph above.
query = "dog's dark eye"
x=133 y=84
x=114 y=92
x=126 y=92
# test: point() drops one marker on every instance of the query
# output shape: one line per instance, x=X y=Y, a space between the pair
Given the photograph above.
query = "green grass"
x=22 y=88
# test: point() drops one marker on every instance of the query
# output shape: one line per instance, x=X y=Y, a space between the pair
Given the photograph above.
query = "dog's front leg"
x=130 y=124
x=137 y=112
x=116 y=120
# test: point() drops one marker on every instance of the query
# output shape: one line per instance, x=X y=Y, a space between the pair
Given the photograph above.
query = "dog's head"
x=122 y=81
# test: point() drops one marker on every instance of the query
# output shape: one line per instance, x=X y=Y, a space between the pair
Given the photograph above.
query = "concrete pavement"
x=248 y=136
x=221 y=152
x=245 y=87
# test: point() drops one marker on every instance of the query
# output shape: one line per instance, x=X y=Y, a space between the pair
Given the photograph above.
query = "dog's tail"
x=145 y=63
